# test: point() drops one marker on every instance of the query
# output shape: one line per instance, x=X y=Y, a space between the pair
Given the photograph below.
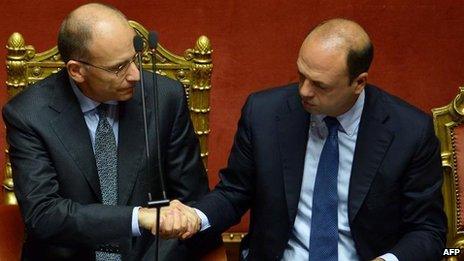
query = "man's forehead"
x=113 y=48
x=321 y=65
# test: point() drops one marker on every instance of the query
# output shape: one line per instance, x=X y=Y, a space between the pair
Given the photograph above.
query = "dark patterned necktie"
x=106 y=160
x=323 y=244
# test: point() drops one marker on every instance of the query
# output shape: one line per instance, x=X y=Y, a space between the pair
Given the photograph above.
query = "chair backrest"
x=193 y=70
x=449 y=128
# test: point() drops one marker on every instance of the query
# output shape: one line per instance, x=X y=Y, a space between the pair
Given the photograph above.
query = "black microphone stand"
x=138 y=46
x=152 y=42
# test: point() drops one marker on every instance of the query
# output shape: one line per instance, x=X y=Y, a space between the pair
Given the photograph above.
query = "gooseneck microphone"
x=138 y=46
x=152 y=43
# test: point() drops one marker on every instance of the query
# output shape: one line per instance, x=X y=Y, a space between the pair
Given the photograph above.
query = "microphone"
x=138 y=46
x=152 y=40
x=152 y=43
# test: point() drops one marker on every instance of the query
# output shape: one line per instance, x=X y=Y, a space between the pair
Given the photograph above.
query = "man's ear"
x=360 y=82
x=76 y=71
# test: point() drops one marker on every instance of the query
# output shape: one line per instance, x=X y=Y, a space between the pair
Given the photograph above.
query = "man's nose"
x=133 y=75
x=307 y=89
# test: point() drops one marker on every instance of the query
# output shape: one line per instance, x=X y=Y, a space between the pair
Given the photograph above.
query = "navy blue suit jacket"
x=395 y=201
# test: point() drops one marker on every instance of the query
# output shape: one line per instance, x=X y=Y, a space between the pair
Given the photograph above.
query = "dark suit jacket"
x=56 y=180
x=395 y=201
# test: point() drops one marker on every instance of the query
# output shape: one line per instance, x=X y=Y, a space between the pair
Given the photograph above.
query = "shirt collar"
x=348 y=120
x=85 y=102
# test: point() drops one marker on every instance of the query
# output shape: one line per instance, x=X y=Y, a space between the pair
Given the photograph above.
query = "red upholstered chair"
x=218 y=254
x=449 y=128
x=11 y=232
x=25 y=66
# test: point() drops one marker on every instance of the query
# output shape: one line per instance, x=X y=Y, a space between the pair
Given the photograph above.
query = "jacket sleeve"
x=232 y=197
x=423 y=219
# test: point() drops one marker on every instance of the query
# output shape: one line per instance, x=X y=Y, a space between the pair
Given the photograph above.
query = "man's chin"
x=126 y=95
x=311 y=110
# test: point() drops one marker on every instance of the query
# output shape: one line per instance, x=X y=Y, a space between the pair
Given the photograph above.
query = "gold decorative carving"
x=10 y=198
x=233 y=237
x=25 y=67
x=15 y=65
x=200 y=90
x=446 y=119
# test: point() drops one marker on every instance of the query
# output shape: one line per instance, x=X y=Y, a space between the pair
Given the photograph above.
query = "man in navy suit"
x=332 y=168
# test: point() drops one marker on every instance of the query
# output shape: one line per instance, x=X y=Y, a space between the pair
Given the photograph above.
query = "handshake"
x=176 y=220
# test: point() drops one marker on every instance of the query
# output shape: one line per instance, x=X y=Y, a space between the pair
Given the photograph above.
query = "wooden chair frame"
x=447 y=121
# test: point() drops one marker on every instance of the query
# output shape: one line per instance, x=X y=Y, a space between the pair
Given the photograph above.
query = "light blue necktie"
x=323 y=244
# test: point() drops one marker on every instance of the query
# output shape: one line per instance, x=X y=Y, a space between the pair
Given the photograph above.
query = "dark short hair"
x=73 y=40
x=359 y=61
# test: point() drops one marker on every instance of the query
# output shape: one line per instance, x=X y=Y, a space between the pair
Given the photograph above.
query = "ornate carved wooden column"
x=16 y=81
x=199 y=92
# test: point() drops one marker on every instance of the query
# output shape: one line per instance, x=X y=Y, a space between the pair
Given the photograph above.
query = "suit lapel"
x=131 y=149
x=70 y=127
x=374 y=139
x=292 y=127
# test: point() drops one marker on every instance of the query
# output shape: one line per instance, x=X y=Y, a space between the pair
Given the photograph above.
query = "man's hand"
x=176 y=221
x=147 y=218
x=193 y=220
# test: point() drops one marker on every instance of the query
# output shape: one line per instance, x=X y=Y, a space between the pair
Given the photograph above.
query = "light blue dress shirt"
x=298 y=244
x=89 y=109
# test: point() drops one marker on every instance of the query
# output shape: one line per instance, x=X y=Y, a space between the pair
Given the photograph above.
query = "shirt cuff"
x=389 y=257
x=204 y=220
x=135 y=222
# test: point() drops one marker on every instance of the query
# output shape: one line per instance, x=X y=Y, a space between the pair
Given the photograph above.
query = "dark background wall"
x=418 y=46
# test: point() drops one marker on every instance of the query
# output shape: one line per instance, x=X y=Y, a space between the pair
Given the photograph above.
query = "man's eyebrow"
x=120 y=63
x=318 y=83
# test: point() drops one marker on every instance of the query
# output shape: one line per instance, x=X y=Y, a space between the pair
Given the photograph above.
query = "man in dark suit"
x=332 y=168
x=77 y=150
